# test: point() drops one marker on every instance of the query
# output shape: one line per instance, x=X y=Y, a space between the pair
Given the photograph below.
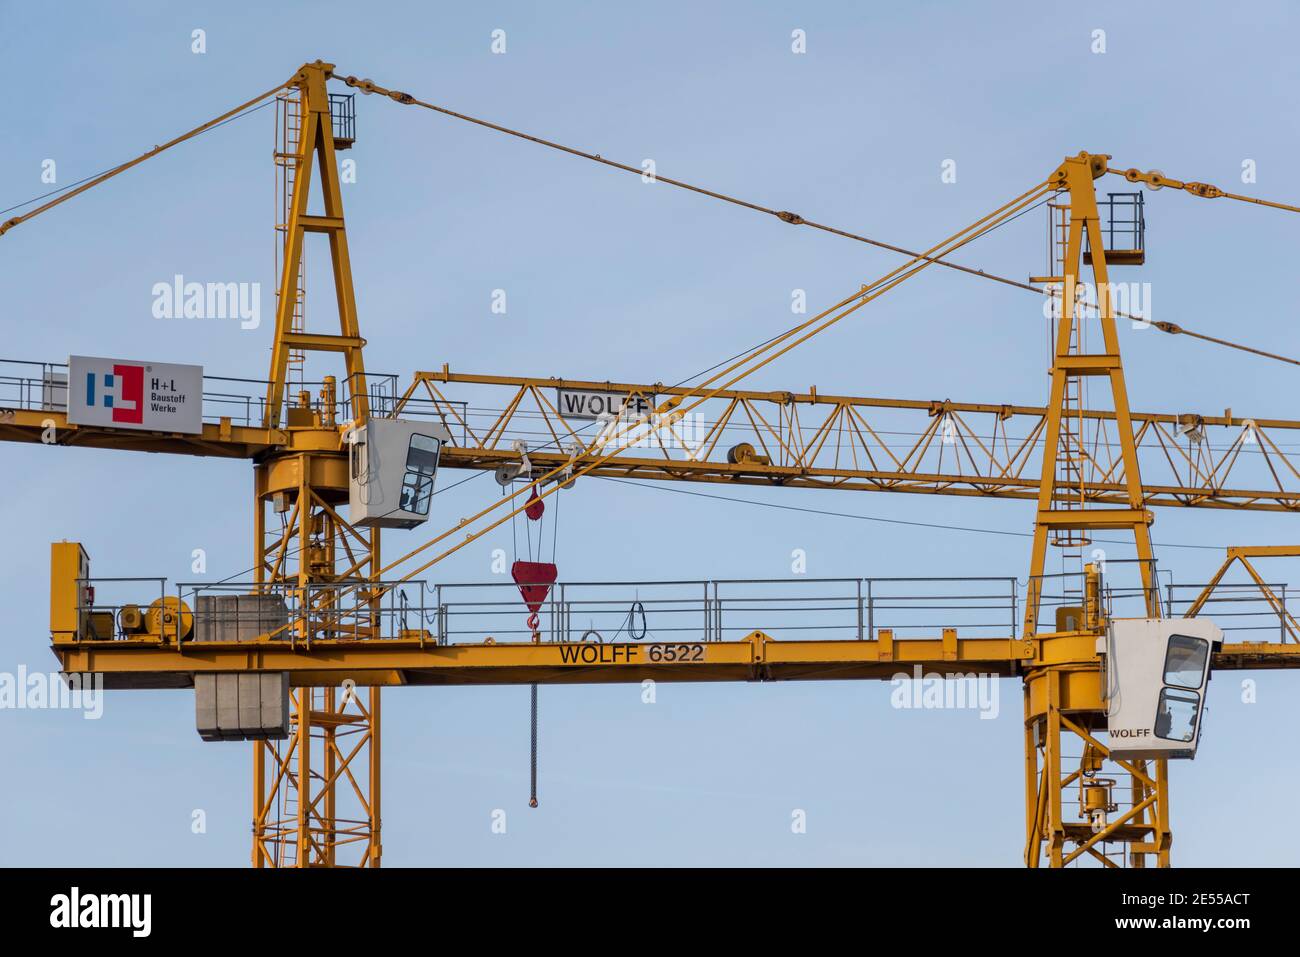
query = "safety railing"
x=43 y=386
x=1123 y=594
x=39 y=386
x=728 y=610
x=345 y=609
x=1123 y=222
x=1241 y=610
x=794 y=609
x=343 y=117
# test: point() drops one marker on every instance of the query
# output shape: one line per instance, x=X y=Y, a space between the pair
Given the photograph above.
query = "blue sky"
x=609 y=279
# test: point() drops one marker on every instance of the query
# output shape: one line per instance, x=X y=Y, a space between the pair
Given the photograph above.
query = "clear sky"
x=610 y=279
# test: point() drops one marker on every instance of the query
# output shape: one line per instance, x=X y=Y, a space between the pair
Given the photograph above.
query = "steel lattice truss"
x=834 y=441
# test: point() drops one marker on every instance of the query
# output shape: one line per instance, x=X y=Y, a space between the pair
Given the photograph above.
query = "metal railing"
x=659 y=611
x=343 y=609
x=1239 y=609
x=1123 y=221
x=789 y=609
x=729 y=609
x=42 y=386
x=1122 y=595
x=343 y=116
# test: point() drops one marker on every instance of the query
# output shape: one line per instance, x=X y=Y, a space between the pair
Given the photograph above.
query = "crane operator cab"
x=1156 y=672
x=392 y=467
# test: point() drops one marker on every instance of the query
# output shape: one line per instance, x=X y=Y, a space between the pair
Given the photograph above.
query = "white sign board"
x=582 y=404
x=126 y=394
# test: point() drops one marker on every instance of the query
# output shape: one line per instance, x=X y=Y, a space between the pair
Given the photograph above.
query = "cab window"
x=1185 y=661
x=1176 y=715
x=421 y=467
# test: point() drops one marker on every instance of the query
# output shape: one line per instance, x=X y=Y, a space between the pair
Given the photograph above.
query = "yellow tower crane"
x=301 y=652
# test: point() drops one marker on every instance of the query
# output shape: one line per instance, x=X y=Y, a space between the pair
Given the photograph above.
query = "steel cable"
x=532 y=798
x=794 y=219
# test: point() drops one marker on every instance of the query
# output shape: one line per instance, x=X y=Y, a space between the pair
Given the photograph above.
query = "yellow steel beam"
x=816 y=397
x=1264 y=551
x=322 y=341
x=1095 y=518
x=220 y=439
x=146 y=663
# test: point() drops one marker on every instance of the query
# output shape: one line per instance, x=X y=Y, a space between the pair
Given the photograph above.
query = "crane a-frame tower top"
x=343 y=633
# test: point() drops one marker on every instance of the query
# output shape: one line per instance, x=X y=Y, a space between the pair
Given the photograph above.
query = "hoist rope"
x=514 y=528
x=532 y=763
x=555 y=527
x=528 y=531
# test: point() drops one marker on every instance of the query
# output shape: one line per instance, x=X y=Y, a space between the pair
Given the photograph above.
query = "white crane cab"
x=393 y=463
x=1156 y=672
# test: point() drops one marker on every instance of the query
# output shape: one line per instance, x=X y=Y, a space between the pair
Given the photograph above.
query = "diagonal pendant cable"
x=123 y=167
x=671 y=410
x=1177 y=330
x=1155 y=180
x=827 y=318
x=794 y=219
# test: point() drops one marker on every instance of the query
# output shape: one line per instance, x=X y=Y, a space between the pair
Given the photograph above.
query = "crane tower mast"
x=331 y=757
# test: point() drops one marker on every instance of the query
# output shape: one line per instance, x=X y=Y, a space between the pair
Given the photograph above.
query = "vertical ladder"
x=287 y=851
x=288 y=146
x=1071 y=455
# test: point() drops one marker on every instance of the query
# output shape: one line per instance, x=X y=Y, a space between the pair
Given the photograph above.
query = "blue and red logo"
x=121 y=390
